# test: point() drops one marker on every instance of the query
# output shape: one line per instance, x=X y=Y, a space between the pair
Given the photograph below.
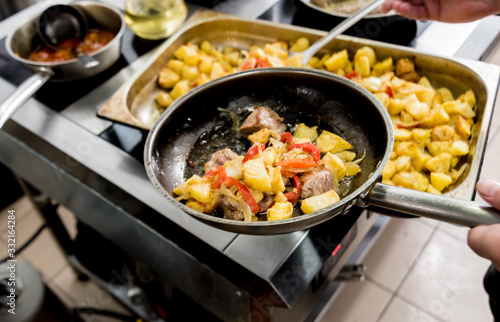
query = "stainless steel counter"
x=61 y=154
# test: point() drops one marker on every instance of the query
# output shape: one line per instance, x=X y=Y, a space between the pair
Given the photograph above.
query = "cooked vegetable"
x=316 y=203
x=429 y=120
x=243 y=186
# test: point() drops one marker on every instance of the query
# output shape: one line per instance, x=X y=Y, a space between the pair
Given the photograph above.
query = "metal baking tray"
x=134 y=102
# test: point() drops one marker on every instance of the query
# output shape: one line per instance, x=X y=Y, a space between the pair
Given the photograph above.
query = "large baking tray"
x=134 y=102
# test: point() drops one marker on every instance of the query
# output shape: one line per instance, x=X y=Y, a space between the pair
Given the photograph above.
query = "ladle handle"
x=423 y=204
x=340 y=28
x=21 y=94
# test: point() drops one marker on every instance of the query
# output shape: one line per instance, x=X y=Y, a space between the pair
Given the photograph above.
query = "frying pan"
x=190 y=130
x=21 y=41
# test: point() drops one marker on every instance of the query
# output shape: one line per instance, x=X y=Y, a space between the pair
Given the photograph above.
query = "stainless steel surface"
x=351 y=273
x=340 y=28
x=22 y=93
x=454 y=211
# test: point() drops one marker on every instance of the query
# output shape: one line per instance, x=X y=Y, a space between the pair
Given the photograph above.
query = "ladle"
x=340 y=28
x=61 y=22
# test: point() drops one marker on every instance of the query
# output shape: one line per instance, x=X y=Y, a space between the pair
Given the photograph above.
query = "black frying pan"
x=193 y=127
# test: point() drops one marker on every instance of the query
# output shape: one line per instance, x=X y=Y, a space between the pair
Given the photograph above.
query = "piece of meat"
x=229 y=211
x=316 y=182
x=263 y=118
x=219 y=158
x=266 y=202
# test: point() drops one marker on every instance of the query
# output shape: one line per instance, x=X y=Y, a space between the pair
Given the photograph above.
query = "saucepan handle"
x=22 y=93
x=422 y=204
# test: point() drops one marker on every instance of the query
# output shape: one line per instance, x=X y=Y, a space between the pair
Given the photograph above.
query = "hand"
x=443 y=10
x=485 y=240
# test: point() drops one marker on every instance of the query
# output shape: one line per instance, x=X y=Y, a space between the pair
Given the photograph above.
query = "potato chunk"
x=167 y=78
x=279 y=211
x=440 y=163
x=440 y=180
x=337 y=61
x=418 y=110
x=255 y=175
x=300 y=45
x=321 y=201
x=304 y=131
x=329 y=142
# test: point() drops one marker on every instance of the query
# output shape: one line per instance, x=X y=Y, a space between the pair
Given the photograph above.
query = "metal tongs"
x=340 y=28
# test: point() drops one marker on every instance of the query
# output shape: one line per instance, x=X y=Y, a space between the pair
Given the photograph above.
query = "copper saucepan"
x=185 y=132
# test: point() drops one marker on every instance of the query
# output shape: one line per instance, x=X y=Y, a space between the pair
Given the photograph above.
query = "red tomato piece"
x=351 y=74
x=307 y=147
x=286 y=137
x=221 y=174
x=245 y=193
x=292 y=196
x=297 y=163
x=253 y=151
x=388 y=90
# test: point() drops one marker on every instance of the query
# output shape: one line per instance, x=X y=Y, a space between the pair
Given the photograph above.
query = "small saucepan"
x=24 y=39
x=184 y=136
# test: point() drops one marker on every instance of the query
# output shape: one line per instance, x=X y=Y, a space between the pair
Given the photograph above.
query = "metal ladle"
x=340 y=28
x=60 y=22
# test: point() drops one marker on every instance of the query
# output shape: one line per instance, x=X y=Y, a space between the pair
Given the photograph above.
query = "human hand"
x=443 y=10
x=485 y=240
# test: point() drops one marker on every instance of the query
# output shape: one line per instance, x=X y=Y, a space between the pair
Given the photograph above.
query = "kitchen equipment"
x=61 y=22
x=340 y=28
x=23 y=40
x=155 y=19
x=333 y=103
x=343 y=8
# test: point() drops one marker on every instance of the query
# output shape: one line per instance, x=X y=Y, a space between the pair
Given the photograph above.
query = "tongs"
x=340 y=28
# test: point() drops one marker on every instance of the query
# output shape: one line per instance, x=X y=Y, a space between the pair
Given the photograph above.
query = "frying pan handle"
x=422 y=204
x=22 y=93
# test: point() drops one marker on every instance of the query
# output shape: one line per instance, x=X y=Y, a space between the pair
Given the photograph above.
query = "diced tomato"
x=253 y=151
x=297 y=163
x=248 y=65
x=308 y=147
x=259 y=62
x=221 y=174
x=351 y=74
x=292 y=196
x=244 y=192
x=388 y=90
x=254 y=63
x=286 y=137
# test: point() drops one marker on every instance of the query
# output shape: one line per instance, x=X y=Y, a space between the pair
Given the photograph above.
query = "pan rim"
x=350 y=200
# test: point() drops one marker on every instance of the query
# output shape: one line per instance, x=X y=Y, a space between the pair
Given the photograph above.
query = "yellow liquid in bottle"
x=155 y=19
